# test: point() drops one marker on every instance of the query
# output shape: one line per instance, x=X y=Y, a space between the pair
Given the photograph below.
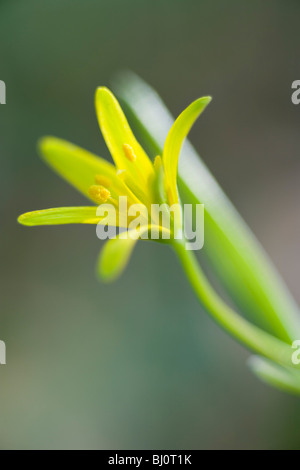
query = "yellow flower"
x=133 y=175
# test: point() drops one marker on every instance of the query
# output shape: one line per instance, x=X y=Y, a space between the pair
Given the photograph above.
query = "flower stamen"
x=129 y=154
x=99 y=194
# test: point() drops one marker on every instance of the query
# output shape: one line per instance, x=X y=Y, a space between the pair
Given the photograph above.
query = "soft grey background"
x=137 y=364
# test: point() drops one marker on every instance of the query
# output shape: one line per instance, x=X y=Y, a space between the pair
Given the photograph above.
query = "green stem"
x=245 y=332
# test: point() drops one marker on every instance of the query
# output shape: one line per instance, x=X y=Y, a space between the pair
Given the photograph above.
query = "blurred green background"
x=137 y=364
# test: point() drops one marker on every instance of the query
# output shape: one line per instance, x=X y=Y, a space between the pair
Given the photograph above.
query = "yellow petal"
x=124 y=148
x=103 y=214
x=114 y=258
x=116 y=252
x=81 y=168
x=173 y=144
x=60 y=215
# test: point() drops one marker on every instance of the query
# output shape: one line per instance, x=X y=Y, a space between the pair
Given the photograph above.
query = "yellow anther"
x=129 y=153
x=157 y=162
x=103 y=181
x=99 y=194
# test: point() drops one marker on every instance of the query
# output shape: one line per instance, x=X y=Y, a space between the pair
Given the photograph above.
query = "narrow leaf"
x=275 y=375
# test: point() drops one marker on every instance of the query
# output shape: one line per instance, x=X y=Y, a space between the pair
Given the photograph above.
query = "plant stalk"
x=254 y=338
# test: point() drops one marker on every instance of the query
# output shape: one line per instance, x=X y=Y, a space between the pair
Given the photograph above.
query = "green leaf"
x=60 y=216
x=280 y=377
x=235 y=255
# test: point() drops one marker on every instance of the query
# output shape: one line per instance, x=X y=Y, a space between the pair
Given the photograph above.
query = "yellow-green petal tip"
x=46 y=143
x=24 y=220
x=205 y=100
x=103 y=92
